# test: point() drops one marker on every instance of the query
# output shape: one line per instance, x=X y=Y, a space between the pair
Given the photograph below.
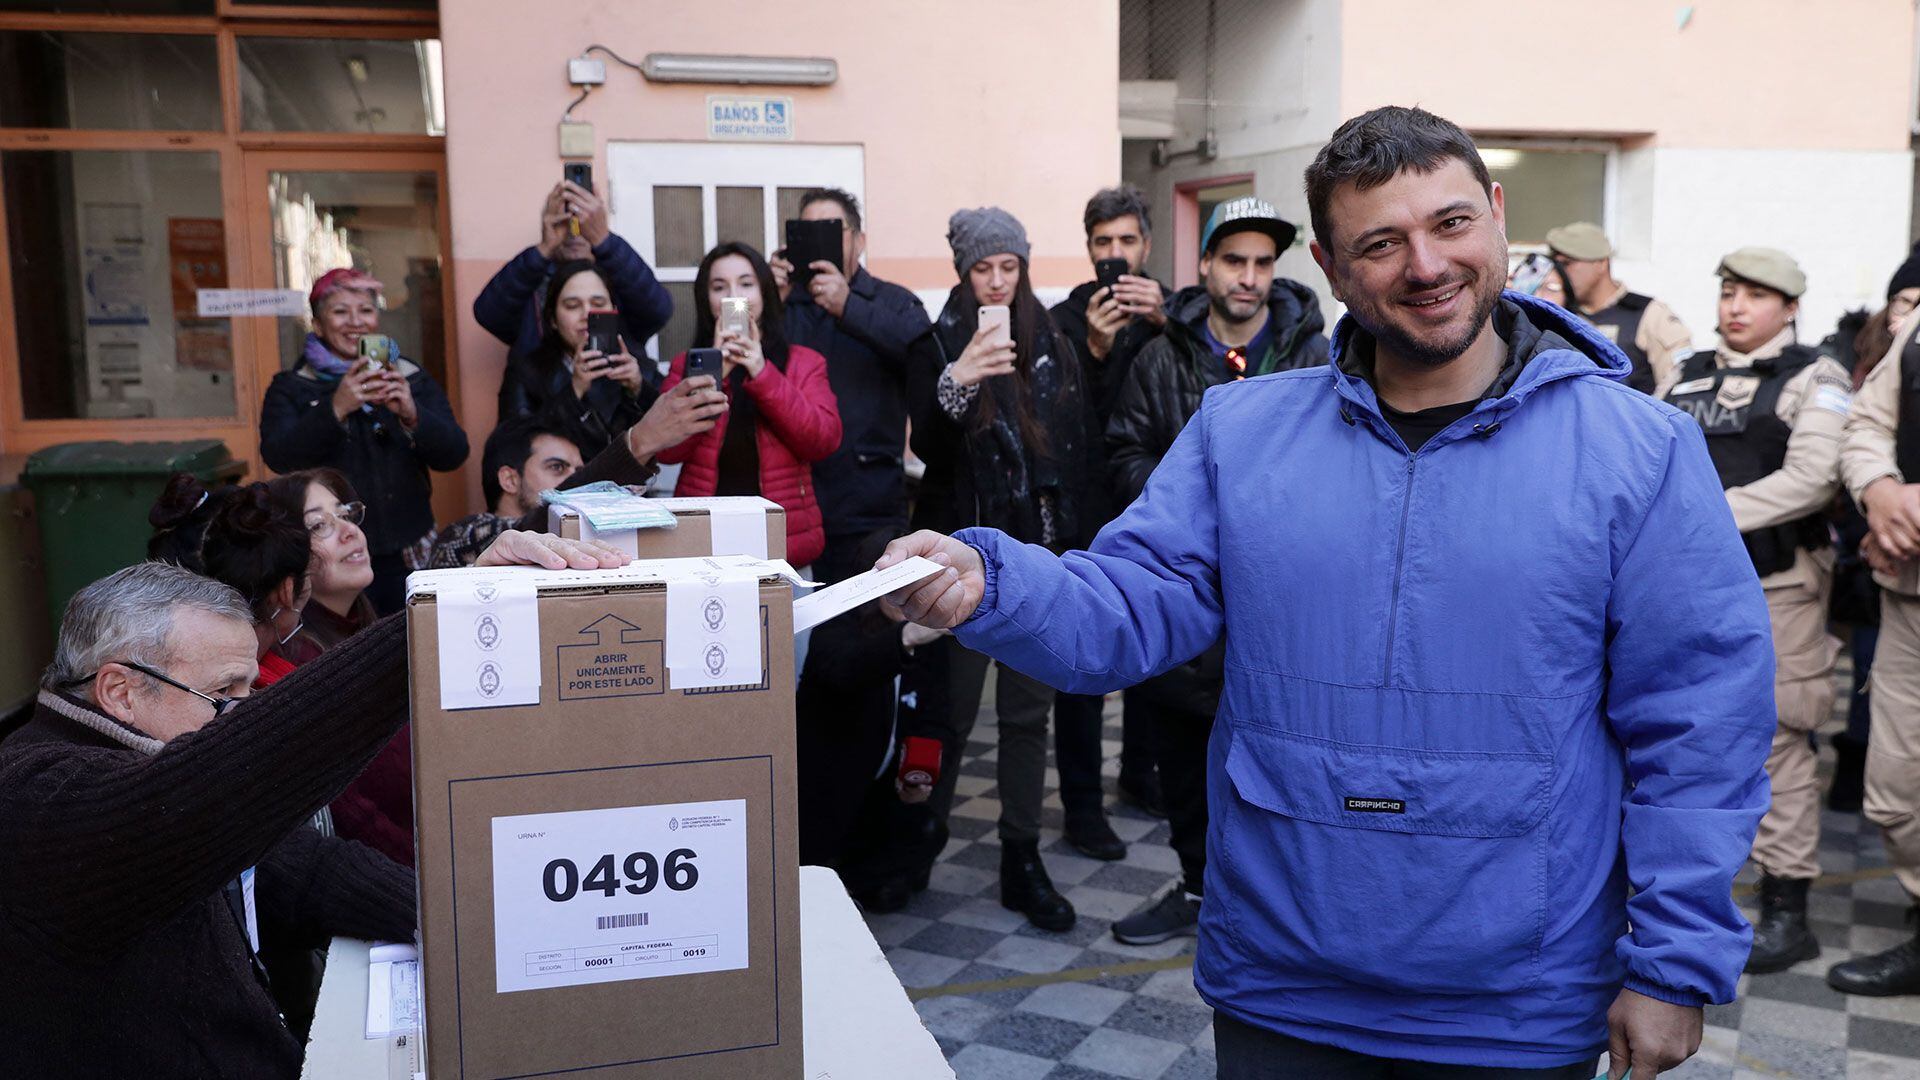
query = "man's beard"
x=1222 y=306
x=1395 y=339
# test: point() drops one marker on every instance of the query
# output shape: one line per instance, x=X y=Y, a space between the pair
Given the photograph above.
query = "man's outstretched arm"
x=1146 y=597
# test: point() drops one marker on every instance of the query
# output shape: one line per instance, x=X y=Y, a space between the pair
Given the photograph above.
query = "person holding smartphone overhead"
x=1008 y=435
x=574 y=228
x=582 y=372
x=781 y=417
x=352 y=402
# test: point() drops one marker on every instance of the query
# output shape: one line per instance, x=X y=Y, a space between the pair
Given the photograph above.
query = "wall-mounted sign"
x=231 y=303
x=751 y=118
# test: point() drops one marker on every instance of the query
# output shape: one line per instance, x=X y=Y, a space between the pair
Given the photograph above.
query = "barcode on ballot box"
x=619 y=922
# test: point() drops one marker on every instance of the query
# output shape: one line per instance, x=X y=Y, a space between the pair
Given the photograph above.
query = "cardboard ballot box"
x=605 y=812
x=726 y=525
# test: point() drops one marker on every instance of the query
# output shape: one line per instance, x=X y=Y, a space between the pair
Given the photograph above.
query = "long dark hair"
x=255 y=543
x=553 y=349
x=1033 y=332
x=289 y=492
x=773 y=335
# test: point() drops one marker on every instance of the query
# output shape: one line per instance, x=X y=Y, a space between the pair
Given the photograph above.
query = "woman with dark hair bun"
x=260 y=547
x=179 y=518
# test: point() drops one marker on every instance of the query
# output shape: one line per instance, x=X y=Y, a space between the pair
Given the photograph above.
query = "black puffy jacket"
x=539 y=385
x=1161 y=393
x=386 y=464
x=1168 y=375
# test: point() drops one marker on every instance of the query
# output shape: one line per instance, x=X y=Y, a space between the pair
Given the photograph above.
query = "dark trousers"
x=1245 y=1052
x=840 y=744
x=389 y=589
x=1859 y=717
x=1137 y=758
x=1021 y=705
x=1180 y=747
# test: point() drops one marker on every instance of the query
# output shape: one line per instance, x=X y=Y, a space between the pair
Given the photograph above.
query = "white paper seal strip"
x=489 y=640
x=713 y=626
x=739 y=527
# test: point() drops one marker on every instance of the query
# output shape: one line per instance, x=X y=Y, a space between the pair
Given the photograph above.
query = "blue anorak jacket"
x=1496 y=713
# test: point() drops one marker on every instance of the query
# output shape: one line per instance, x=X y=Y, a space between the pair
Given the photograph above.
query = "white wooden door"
x=674 y=201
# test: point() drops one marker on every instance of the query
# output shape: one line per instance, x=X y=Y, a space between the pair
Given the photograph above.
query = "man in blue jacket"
x=1496 y=659
x=509 y=307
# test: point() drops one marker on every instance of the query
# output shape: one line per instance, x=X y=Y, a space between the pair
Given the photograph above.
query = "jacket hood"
x=1546 y=343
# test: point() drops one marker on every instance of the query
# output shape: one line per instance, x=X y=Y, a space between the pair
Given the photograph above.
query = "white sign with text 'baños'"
x=752 y=118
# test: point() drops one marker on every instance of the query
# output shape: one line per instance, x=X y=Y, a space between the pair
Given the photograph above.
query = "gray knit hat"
x=977 y=234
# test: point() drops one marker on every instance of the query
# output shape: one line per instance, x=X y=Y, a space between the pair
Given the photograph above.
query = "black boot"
x=1781 y=938
x=1026 y=888
x=1884 y=974
x=1849 y=775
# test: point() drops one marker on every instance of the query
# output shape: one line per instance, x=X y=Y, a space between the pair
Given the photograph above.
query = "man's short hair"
x=511 y=444
x=1377 y=146
x=1111 y=204
x=849 y=206
x=126 y=616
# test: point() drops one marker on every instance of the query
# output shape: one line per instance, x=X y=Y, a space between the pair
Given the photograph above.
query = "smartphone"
x=1531 y=273
x=809 y=242
x=736 y=317
x=603 y=332
x=1108 y=271
x=704 y=362
x=999 y=320
x=578 y=172
x=377 y=351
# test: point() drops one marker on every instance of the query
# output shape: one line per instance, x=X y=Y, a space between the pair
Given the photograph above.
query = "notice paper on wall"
x=713 y=625
x=393 y=990
x=842 y=597
x=489 y=640
x=630 y=892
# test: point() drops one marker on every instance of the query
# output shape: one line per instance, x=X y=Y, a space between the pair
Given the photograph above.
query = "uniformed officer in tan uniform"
x=1648 y=331
x=1773 y=412
x=1880 y=462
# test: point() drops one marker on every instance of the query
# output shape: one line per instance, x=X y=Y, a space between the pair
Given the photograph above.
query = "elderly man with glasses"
x=153 y=817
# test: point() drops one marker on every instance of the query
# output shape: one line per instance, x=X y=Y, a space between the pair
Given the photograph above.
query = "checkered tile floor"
x=1026 y=1004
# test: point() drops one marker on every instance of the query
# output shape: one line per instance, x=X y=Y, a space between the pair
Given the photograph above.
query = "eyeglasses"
x=221 y=705
x=325 y=521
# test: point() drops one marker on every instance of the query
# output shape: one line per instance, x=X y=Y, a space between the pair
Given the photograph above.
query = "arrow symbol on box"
x=599 y=627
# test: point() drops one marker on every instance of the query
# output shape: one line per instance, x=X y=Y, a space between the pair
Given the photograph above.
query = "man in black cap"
x=1239 y=322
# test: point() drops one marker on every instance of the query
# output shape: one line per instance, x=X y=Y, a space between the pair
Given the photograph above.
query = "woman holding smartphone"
x=351 y=402
x=1008 y=435
x=781 y=415
x=581 y=374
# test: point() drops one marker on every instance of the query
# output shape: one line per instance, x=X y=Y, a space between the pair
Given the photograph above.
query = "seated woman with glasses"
x=377 y=808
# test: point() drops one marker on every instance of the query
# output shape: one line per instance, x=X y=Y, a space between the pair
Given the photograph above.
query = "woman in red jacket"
x=782 y=415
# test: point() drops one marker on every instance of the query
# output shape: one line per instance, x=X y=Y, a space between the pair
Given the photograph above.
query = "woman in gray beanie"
x=1010 y=441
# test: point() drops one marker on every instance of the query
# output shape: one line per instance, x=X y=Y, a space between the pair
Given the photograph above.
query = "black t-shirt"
x=739 y=463
x=1415 y=428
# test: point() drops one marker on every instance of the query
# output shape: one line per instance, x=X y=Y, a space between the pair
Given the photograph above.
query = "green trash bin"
x=92 y=498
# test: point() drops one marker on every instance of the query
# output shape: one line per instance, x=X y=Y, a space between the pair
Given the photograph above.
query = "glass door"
x=384 y=213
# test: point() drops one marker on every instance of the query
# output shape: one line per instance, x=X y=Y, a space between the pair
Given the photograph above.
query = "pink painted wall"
x=1750 y=74
x=992 y=101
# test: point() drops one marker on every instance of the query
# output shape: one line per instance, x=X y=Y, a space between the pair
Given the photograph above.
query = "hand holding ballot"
x=945 y=600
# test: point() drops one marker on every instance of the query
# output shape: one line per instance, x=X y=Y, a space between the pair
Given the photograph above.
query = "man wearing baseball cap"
x=1240 y=321
x=1773 y=412
x=1648 y=331
x=1880 y=464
